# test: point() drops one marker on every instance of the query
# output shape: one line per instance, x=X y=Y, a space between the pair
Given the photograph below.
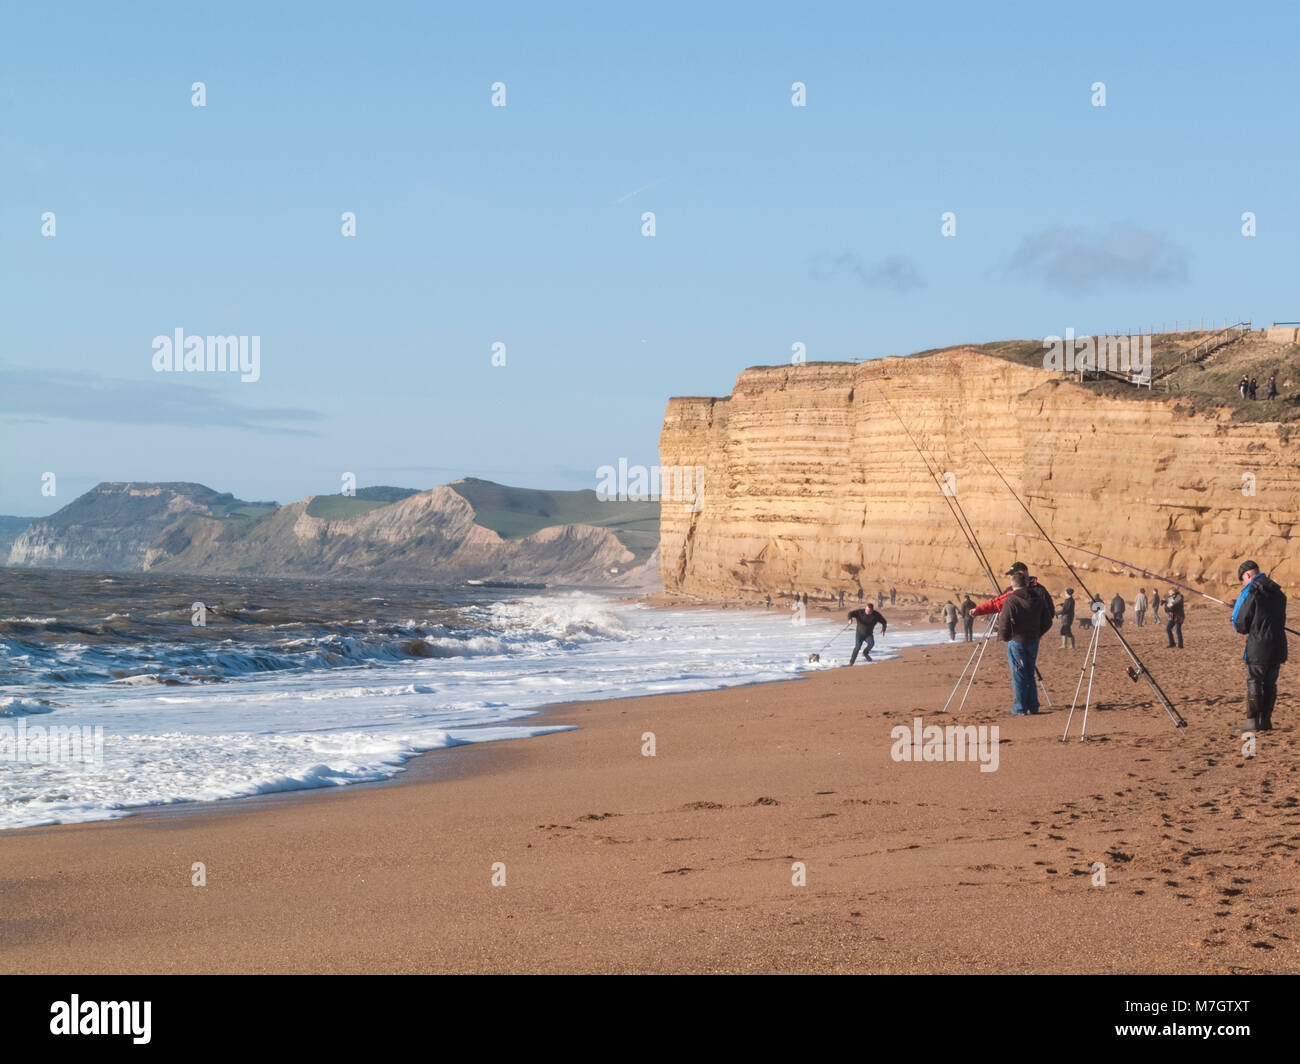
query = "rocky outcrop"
x=811 y=483
x=427 y=537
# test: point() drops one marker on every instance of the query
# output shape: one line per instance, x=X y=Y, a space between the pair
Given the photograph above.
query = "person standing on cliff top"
x=1025 y=617
x=867 y=618
x=967 y=621
x=1066 y=613
x=950 y=619
x=1260 y=615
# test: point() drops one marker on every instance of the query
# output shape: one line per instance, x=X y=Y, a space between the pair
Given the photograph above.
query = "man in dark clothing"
x=880 y=598
x=893 y=593
x=1271 y=391
x=1066 y=613
x=1254 y=387
x=967 y=621
x=841 y=599
x=1026 y=616
x=859 y=594
x=1155 y=603
x=1243 y=386
x=1260 y=615
x=1117 y=610
x=1175 y=611
x=867 y=617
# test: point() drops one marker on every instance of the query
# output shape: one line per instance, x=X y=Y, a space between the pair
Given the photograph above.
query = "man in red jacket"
x=994 y=605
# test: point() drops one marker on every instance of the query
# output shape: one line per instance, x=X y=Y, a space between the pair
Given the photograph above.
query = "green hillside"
x=513 y=513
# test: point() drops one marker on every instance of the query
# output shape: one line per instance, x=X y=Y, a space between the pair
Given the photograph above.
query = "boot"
x=1266 y=711
x=1252 y=716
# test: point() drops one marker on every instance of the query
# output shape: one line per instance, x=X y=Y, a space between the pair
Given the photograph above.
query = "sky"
x=522 y=225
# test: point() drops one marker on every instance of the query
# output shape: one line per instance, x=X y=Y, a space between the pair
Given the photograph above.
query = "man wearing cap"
x=994 y=605
x=1260 y=615
x=1026 y=616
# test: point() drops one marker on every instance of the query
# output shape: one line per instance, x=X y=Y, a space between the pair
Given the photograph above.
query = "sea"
x=123 y=691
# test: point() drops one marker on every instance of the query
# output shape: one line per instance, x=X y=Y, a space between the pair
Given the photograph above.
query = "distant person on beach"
x=841 y=600
x=880 y=598
x=950 y=619
x=864 y=636
x=1066 y=613
x=1174 y=614
x=892 y=594
x=1260 y=615
x=1270 y=391
x=1117 y=610
x=1155 y=604
x=967 y=621
x=859 y=594
x=1140 y=607
x=769 y=602
x=1254 y=387
x=1026 y=616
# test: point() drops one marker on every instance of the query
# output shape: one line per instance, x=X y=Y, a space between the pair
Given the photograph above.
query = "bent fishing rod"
x=1164 y=699
x=972 y=540
x=1143 y=572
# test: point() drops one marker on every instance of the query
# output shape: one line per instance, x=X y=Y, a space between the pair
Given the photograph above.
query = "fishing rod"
x=1174 y=715
x=954 y=504
x=972 y=540
x=1144 y=572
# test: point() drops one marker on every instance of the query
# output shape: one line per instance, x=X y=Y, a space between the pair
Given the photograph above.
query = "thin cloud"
x=895 y=273
x=37 y=393
x=1077 y=260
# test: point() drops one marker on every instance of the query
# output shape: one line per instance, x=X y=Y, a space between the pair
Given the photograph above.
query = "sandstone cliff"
x=810 y=482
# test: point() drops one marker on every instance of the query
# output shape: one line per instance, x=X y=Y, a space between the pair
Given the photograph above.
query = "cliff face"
x=134 y=515
x=811 y=483
x=427 y=537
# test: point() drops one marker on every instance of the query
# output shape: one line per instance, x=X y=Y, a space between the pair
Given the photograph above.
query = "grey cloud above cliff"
x=896 y=273
x=1079 y=260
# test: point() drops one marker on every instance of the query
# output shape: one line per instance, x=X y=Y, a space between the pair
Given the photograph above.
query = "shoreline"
x=682 y=862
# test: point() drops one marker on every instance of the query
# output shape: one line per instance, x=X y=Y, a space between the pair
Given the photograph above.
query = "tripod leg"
x=984 y=643
x=1092 y=639
x=974 y=650
x=1083 y=732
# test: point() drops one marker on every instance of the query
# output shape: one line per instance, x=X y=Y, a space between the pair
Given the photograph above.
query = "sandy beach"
x=683 y=862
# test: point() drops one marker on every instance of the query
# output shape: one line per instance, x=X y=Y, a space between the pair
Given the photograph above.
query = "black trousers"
x=1261 y=685
x=861 y=641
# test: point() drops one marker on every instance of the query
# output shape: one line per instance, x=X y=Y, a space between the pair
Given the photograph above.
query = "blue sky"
x=522 y=225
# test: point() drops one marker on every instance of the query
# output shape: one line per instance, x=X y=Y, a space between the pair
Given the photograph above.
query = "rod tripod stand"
x=1090 y=667
x=973 y=664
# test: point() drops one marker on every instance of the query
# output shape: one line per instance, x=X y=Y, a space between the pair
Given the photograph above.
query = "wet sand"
x=682 y=862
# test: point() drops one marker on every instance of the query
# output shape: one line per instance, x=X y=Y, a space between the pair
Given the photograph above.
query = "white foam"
x=360 y=720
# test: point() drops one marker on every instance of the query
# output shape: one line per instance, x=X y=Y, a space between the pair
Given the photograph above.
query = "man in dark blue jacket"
x=1260 y=615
